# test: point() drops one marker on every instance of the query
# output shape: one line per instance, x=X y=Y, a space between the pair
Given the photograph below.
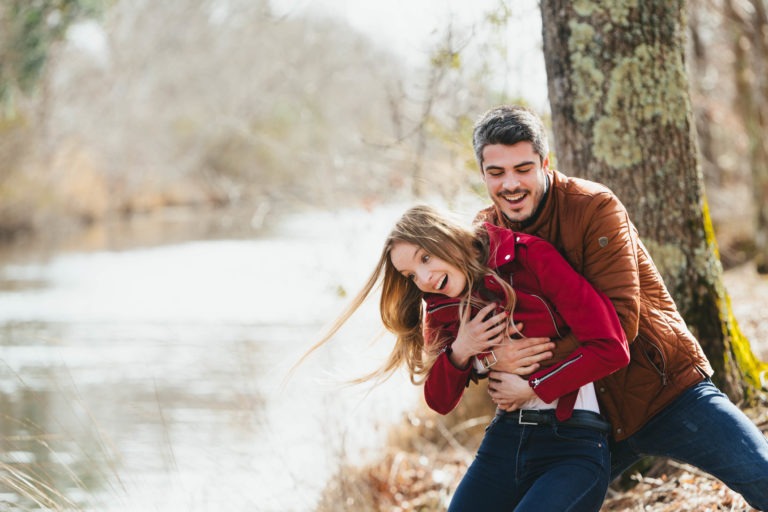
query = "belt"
x=581 y=419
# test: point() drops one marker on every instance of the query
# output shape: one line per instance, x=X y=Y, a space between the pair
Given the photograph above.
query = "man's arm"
x=523 y=356
x=610 y=258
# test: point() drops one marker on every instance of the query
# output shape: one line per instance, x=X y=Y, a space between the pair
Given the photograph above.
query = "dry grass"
x=426 y=457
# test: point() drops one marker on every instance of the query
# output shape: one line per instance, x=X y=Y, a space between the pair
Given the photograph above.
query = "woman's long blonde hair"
x=401 y=306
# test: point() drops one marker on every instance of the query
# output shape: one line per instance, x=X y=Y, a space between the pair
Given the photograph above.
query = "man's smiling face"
x=515 y=178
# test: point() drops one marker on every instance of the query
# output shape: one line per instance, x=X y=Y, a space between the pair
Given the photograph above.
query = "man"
x=663 y=403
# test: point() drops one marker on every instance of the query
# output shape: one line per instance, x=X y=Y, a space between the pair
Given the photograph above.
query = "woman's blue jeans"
x=705 y=429
x=536 y=468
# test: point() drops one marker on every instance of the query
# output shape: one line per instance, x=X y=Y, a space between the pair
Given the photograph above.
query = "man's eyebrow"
x=516 y=166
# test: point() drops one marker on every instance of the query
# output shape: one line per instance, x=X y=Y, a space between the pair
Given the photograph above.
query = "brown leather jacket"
x=591 y=228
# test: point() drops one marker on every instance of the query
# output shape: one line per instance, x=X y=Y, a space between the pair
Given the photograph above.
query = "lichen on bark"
x=617 y=10
x=640 y=92
x=587 y=78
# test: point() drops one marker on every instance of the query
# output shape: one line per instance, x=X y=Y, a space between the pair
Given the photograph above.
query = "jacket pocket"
x=655 y=357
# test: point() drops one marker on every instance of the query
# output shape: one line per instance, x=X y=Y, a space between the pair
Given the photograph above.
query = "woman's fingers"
x=484 y=322
x=485 y=330
x=481 y=315
x=493 y=326
x=499 y=318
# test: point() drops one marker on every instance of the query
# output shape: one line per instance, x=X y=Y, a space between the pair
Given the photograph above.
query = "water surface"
x=153 y=378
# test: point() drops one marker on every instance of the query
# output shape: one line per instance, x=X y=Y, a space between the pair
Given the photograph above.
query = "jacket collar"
x=502 y=245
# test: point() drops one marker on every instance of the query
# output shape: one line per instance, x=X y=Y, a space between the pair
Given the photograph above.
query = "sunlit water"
x=154 y=379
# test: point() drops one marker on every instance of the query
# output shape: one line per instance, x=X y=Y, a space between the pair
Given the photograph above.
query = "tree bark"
x=621 y=115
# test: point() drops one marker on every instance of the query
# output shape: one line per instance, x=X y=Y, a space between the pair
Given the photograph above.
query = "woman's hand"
x=477 y=335
x=508 y=391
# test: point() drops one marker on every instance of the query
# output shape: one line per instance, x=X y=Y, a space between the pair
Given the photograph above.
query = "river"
x=152 y=376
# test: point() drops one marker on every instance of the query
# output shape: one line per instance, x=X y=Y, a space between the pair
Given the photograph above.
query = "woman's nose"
x=423 y=277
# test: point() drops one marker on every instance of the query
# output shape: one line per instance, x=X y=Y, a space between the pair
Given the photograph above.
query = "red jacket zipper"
x=554 y=372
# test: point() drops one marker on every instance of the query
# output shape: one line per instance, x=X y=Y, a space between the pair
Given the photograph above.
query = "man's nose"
x=510 y=181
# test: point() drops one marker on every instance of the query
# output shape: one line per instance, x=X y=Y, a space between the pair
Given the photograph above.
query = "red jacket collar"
x=502 y=245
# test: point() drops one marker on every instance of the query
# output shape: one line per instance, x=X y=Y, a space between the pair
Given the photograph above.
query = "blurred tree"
x=700 y=61
x=748 y=23
x=213 y=110
x=445 y=59
x=621 y=115
x=456 y=81
x=27 y=31
x=722 y=133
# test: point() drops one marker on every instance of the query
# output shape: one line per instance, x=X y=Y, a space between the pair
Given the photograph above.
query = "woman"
x=450 y=295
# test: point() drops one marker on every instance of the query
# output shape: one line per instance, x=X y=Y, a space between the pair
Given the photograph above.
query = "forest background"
x=107 y=113
x=241 y=110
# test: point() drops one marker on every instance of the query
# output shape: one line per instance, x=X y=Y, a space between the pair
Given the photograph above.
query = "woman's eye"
x=425 y=258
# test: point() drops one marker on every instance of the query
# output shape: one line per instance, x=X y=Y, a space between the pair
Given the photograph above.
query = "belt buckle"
x=485 y=360
x=520 y=419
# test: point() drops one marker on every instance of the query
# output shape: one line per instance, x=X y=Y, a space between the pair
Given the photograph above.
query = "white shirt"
x=586 y=400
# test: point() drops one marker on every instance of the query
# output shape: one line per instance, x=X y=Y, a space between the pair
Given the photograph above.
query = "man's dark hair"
x=509 y=124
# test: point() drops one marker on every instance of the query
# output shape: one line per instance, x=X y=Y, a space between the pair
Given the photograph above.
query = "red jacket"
x=552 y=300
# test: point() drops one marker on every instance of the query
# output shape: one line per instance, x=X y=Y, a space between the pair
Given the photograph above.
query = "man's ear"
x=545 y=163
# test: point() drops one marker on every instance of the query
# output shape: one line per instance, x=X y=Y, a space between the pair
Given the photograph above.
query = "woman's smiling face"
x=429 y=273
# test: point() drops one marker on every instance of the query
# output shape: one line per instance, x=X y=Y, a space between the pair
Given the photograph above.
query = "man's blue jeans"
x=705 y=429
x=536 y=468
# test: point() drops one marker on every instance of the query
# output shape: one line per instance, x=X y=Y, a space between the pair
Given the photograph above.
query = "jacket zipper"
x=446 y=305
x=565 y=365
x=442 y=306
x=551 y=314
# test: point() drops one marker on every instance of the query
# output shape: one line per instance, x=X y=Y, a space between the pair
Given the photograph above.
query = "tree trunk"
x=621 y=116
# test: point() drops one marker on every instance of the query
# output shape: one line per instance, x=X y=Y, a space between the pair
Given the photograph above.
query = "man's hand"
x=508 y=391
x=522 y=356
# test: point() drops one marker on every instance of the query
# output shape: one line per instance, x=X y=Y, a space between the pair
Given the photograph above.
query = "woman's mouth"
x=442 y=283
